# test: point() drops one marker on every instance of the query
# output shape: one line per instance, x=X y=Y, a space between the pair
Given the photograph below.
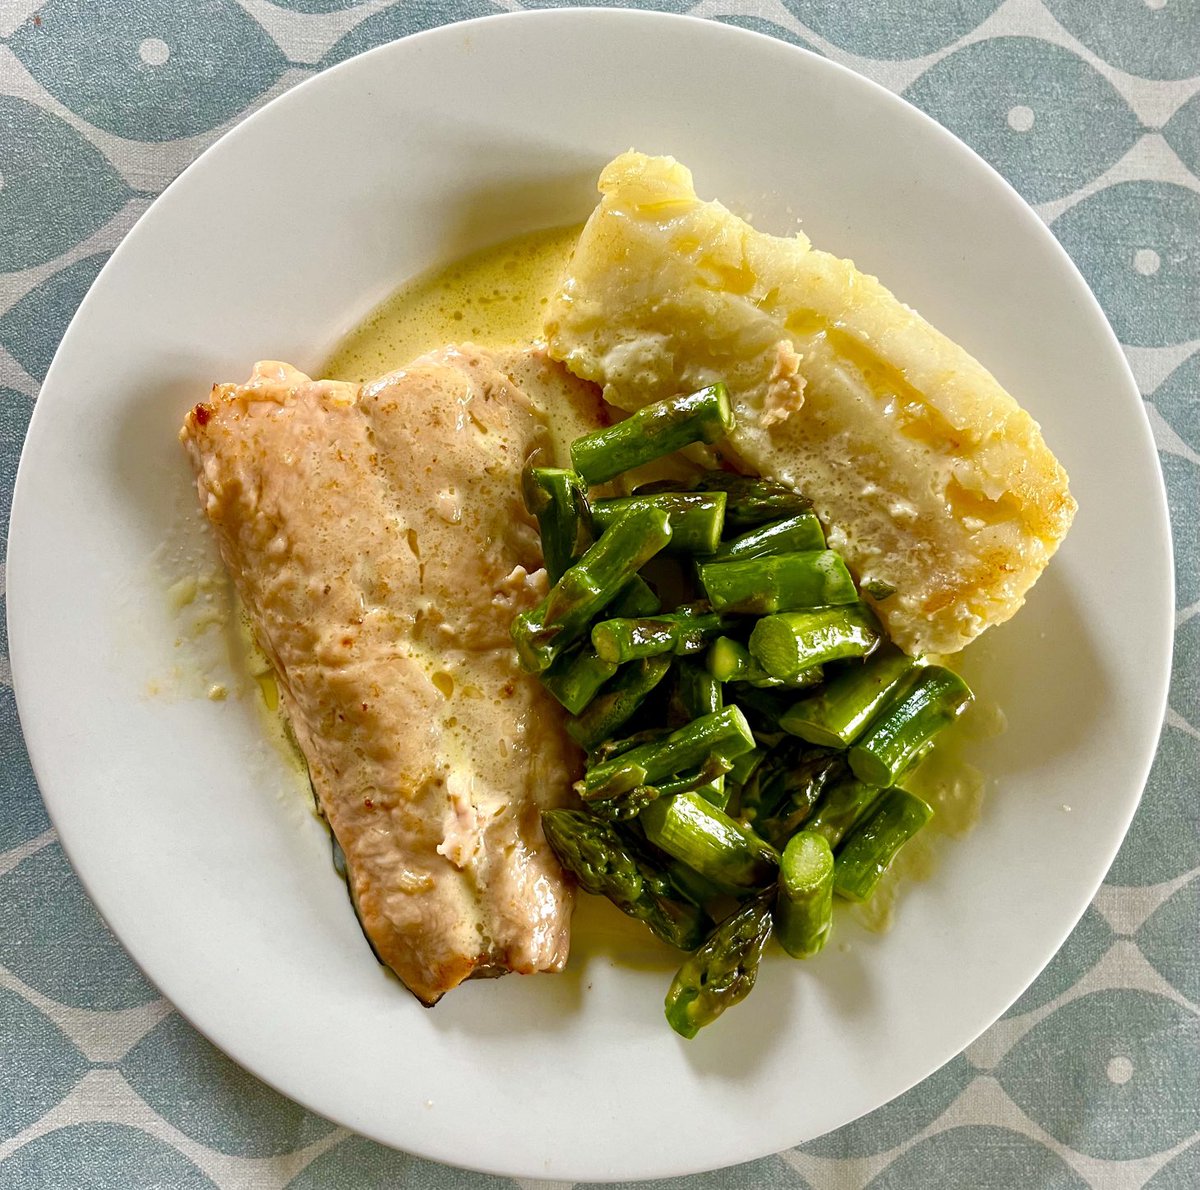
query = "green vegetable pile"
x=745 y=744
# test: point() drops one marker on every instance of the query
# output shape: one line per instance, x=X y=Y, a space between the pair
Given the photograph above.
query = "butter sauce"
x=494 y=298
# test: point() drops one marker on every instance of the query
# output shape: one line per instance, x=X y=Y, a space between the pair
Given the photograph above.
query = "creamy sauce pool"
x=495 y=298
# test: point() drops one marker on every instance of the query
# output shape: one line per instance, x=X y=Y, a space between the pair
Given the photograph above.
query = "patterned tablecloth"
x=1092 y=109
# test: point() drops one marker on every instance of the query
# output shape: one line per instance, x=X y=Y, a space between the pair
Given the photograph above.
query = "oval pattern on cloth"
x=52 y=938
x=1182 y=1172
x=981 y=1157
x=1168 y=940
x=1156 y=41
x=892 y=28
x=759 y=25
x=1178 y=400
x=1185 y=673
x=1164 y=838
x=1114 y=1074
x=39 y=1064
x=22 y=812
x=399 y=21
x=769 y=1173
x=315 y=6
x=208 y=1097
x=58 y=187
x=1046 y=119
x=1105 y=234
x=33 y=328
x=100 y=1157
x=1182 y=478
x=1088 y=943
x=902 y=1118
x=156 y=70
x=15 y=411
x=1182 y=130
x=360 y=1164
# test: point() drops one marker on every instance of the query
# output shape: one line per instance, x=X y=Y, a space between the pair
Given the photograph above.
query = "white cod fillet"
x=377 y=538
x=928 y=475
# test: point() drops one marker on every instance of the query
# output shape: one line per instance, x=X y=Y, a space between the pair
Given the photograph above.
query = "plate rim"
x=616 y=16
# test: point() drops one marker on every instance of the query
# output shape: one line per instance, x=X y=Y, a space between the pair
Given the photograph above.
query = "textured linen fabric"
x=1091 y=108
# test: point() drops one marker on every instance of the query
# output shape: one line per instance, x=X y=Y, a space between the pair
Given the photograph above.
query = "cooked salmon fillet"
x=930 y=478
x=377 y=539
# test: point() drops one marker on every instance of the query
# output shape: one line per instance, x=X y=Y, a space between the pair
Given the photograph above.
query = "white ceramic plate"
x=184 y=826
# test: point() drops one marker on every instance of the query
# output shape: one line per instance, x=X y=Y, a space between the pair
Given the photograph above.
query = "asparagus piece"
x=794 y=534
x=804 y=906
x=699 y=691
x=722 y=972
x=637 y=598
x=658 y=429
x=753 y=501
x=625 y=807
x=623 y=639
x=615 y=704
x=785 y=788
x=871 y=847
x=558 y=500
x=725 y=733
x=743 y=766
x=762 y=705
x=690 y=885
x=843 y=805
x=574 y=678
x=758 y=677
x=916 y=711
x=787 y=644
x=707 y=839
x=697 y=518
x=708 y=781
x=837 y=713
x=610 y=748
x=728 y=660
x=780 y=583
x=543 y=632
x=603 y=864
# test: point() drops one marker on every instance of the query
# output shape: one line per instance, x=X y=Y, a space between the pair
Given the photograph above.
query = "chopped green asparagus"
x=870 y=848
x=697 y=518
x=722 y=972
x=791 y=642
x=843 y=804
x=616 y=703
x=699 y=692
x=637 y=598
x=708 y=840
x=586 y=588
x=574 y=678
x=795 y=534
x=728 y=660
x=654 y=430
x=785 y=788
x=912 y=714
x=725 y=733
x=836 y=714
x=623 y=639
x=605 y=865
x=778 y=583
x=804 y=906
x=558 y=500
x=752 y=501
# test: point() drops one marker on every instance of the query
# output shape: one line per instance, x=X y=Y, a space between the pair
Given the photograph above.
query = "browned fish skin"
x=376 y=536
